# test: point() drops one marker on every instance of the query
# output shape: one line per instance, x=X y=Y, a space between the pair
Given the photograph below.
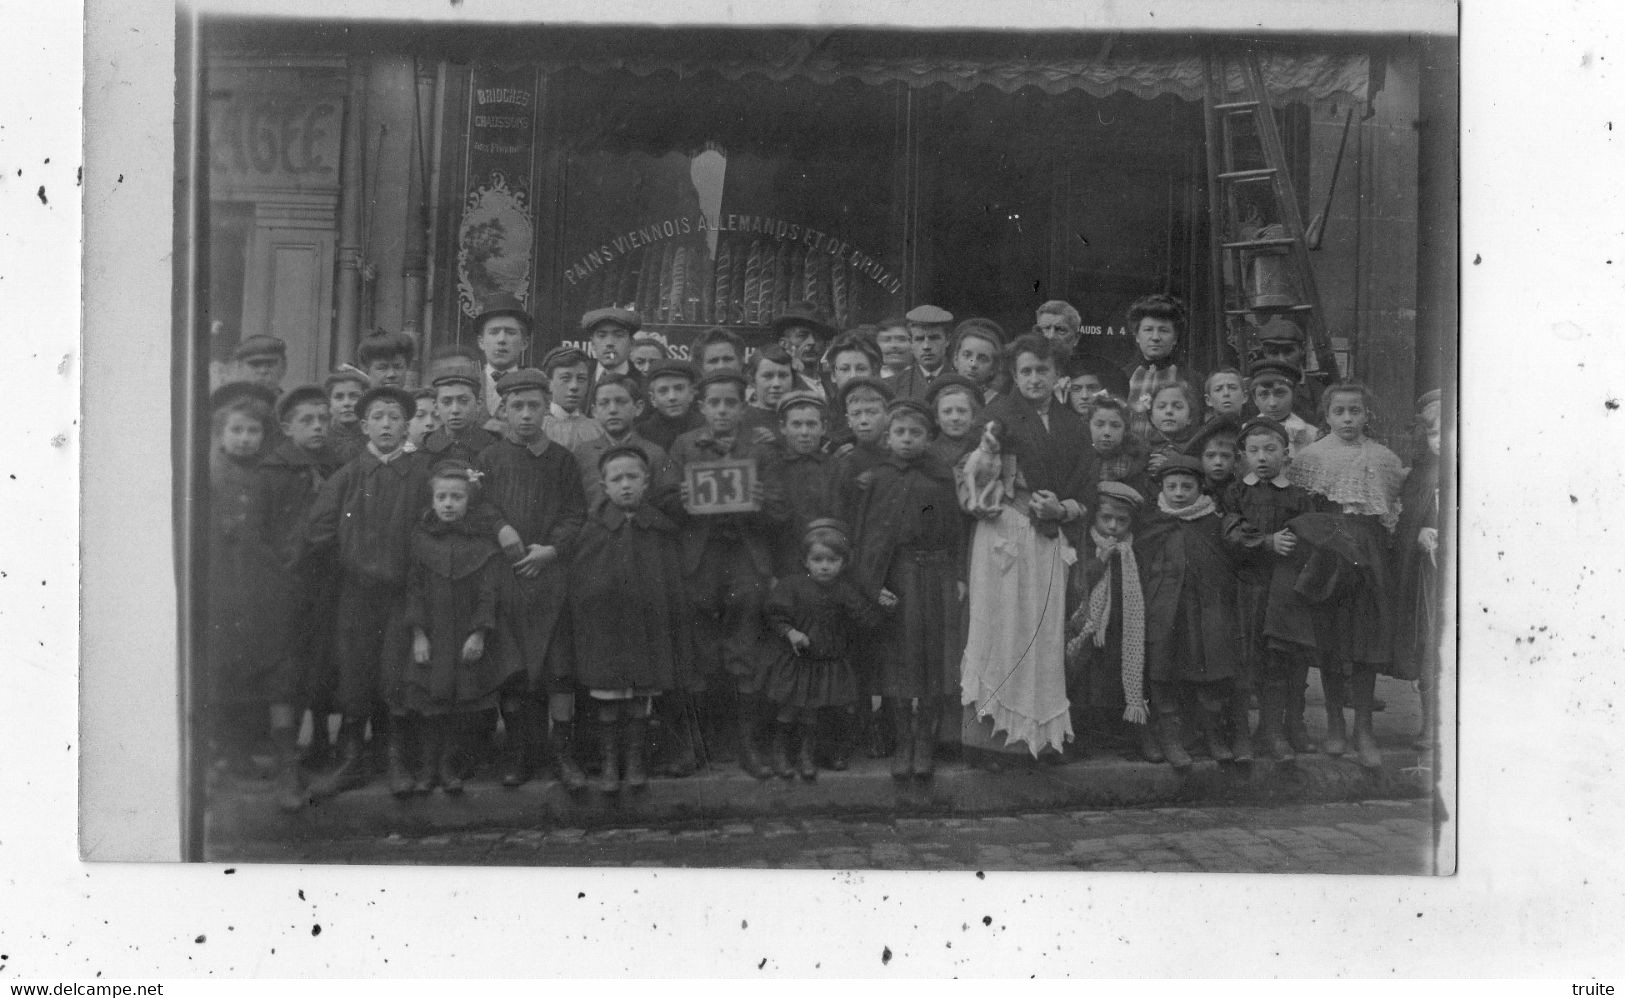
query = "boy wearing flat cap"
x=263 y=360
x=567 y=423
x=928 y=335
x=460 y=437
x=1193 y=641
x=536 y=485
x=672 y=411
x=1272 y=386
x=617 y=401
x=727 y=564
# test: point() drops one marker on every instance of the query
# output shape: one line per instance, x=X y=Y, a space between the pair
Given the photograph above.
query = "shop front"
x=712 y=178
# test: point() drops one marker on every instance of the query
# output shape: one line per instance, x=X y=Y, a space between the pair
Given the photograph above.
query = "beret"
x=950 y=380
x=525 y=377
x=299 y=396
x=1120 y=492
x=1265 y=423
x=623 y=317
x=929 y=315
x=1180 y=463
x=671 y=366
x=1210 y=429
x=386 y=393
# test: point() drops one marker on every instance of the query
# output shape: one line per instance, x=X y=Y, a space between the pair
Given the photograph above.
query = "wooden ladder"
x=1229 y=251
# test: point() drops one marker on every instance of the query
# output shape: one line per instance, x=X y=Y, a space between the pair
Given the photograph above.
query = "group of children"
x=525 y=544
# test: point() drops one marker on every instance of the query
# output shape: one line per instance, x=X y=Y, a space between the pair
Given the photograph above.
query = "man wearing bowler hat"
x=502 y=332
x=802 y=331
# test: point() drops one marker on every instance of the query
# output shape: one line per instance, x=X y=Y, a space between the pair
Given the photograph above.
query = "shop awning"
x=1290 y=77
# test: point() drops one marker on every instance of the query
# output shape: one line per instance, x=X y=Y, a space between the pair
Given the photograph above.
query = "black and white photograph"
x=817 y=447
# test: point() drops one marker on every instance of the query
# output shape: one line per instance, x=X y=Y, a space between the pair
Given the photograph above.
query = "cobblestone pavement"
x=1377 y=837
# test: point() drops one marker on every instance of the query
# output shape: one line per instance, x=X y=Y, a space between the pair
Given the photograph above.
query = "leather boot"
x=902 y=717
x=609 y=780
x=750 y=760
x=636 y=731
x=807 y=736
x=517 y=731
x=1335 y=686
x=926 y=726
x=351 y=771
x=1271 y=722
x=400 y=734
x=779 y=756
x=1297 y=733
x=1213 y=732
x=1362 y=686
x=1241 y=742
x=561 y=740
x=1172 y=735
x=428 y=756
x=1150 y=747
x=290 y=791
x=451 y=739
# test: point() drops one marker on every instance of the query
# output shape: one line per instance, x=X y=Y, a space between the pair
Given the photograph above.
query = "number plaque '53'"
x=721 y=486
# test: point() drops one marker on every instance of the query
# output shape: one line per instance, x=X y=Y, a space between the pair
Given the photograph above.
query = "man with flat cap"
x=928 y=333
x=609 y=333
x=802 y=331
x=263 y=360
x=502 y=332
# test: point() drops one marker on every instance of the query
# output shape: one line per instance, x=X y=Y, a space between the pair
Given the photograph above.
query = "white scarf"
x=1096 y=615
x=1195 y=511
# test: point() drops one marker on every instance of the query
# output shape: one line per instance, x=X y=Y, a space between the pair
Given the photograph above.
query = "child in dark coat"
x=1215 y=446
x=805 y=468
x=251 y=681
x=451 y=609
x=1261 y=503
x=344 y=437
x=1193 y=640
x=672 y=411
x=1106 y=646
x=1115 y=454
x=459 y=437
x=910 y=549
x=822 y=616
x=630 y=618
x=536 y=484
x=290 y=478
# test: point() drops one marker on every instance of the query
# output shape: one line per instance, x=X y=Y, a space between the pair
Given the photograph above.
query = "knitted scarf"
x=1195 y=511
x=1097 y=613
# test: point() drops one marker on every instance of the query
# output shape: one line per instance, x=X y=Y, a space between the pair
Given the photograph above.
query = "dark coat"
x=1187 y=573
x=632 y=624
x=452 y=593
x=755 y=530
x=1419 y=607
x=250 y=595
x=440 y=446
x=367 y=509
x=654 y=426
x=806 y=480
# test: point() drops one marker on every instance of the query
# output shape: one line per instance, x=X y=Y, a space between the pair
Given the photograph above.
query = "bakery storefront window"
x=702 y=201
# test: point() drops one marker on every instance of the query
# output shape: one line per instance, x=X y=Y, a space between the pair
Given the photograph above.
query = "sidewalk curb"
x=250 y=815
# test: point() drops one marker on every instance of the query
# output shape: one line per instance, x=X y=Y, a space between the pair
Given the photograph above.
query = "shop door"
x=290 y=295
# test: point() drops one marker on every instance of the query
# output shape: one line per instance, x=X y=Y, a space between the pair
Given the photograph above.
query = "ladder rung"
x=1240 y=105
x=1242 y=176
x=1269 y=311
x=1259 y=243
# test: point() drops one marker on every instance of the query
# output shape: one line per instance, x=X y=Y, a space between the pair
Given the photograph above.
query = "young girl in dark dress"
x=451 y=609
x=1174 y=419
x=1355 y=482
x=910 y=548
x=822 y=616
x=1115 y=453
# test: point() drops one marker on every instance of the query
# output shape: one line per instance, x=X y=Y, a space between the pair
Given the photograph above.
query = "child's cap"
x=623 y=450
x=298 y=396
x=724 y=376
x=876 y=384
x=260 y=345
x=1428 y=398
x=457 y=364
x=563 y=357
x=457 y=377
x=1181 y=464
x=915 y=406
x=386 y=393
x=237 y=391
x=672 y=367
x=1121 y=493
x=929 y=315
x=623 y=317
x=1217 y=426
x=795 y=399
x=827 y=523
x=525 y=377
x=943 y=382
x=1275 y=367
x=1264 y=423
